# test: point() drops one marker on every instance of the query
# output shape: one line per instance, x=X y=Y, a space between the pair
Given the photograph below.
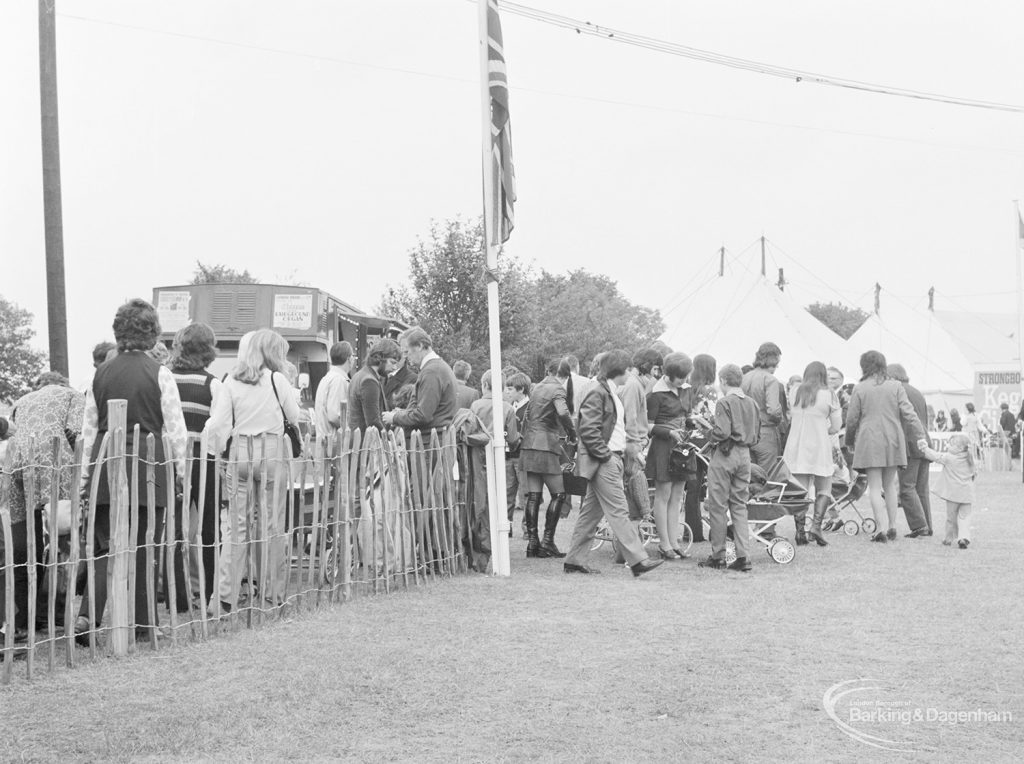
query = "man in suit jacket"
x=914 y=478
x=435 y=405
x=602 y=438
x=464 y=394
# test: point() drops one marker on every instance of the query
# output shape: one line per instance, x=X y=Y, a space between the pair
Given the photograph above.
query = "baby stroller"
x=844 y=496
x=767 y=506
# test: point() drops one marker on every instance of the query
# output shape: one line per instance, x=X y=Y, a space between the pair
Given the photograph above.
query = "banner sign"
x=172 y=308
x=293 y=311
x=992 y=388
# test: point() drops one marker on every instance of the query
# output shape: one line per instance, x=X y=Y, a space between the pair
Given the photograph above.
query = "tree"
x=541 y=316
x=447 y=294
x=841 y=319
x=221 y=274
x=20 y=363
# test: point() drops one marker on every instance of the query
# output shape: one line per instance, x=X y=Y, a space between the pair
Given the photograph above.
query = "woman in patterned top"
x=49 y=412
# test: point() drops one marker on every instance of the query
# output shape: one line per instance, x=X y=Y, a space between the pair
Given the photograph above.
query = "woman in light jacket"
x=251 y=409
x=816 y=416
x=874 y=430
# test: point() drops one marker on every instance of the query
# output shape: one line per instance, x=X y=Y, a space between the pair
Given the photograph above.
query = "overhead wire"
x=758 y=67
x=542 y=91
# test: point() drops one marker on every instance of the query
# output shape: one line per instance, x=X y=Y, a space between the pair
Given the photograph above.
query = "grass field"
x=683 y=664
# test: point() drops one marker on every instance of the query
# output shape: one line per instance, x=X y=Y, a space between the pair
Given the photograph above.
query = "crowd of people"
x=695 y=432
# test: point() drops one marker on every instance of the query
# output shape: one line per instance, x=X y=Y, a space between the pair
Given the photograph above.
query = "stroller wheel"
x=850 y=528
x=648 y=531
x=868 y=525
x=601 y=535
x=730 y=552
x=782 y=551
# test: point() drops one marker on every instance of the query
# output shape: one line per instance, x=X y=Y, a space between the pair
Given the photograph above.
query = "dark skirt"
x=658 y=454
x=540 y=462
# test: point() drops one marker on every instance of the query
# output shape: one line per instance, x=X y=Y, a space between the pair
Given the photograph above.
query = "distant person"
x=100 y=353
x=1008 y=427
x=879 y=411
x=973 y=429
x=955 y=424
x=580 y=384
x=602 y=449
x=436 y=402
x=955 y=486
x=517 y=398
x=633 y=394
x=734 y=431
x=816 y=417
x=464 y=394
x=160 y=353
x=914 y=493
x=330 y=406
x=941 y=423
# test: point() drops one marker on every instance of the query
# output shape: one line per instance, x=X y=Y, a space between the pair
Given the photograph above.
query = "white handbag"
x=65 y=507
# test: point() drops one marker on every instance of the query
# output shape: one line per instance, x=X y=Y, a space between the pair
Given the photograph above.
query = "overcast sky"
x=319 y=144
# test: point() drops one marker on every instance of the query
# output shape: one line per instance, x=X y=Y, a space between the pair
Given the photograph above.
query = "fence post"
x=72 y=563
x=117 y=480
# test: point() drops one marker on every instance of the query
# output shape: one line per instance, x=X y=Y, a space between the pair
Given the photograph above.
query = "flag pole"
x=496 y=503
x=1018 y=254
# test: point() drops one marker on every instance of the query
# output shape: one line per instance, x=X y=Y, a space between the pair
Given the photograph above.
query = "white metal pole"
x=496 y=476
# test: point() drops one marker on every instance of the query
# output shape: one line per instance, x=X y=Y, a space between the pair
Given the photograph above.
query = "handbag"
x=682 y=463
x=65 y=510
x=573 y=484
x=291 y=430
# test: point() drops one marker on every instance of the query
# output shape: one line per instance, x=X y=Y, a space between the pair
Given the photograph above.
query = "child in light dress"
x=956 y=486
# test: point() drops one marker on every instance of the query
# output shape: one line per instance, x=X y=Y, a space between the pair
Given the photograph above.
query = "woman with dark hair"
x=366 y=398
x=195 y=348
x=668 y=405
x=973 y=430
x=252 y=408
x=955 y=425
x=879 y=409
x=155 y=406
x=705 y=396
x=540 y=457
x=816 y=416
x=51 y=411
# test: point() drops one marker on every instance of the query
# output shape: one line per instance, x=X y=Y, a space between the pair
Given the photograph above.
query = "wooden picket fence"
x=365 y=513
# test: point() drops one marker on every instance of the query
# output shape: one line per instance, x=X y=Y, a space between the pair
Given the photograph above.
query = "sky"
x=316 y=140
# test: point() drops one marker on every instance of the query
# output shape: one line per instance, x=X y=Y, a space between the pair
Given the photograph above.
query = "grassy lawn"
x=683 y=664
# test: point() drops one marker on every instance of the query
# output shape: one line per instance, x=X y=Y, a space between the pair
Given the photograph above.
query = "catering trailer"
x=310 y=319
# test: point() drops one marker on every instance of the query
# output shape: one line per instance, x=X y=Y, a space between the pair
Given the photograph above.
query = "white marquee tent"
x=729 y=316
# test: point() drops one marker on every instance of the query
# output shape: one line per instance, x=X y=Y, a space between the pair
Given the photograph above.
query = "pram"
x=844 y=496
x=766 y=507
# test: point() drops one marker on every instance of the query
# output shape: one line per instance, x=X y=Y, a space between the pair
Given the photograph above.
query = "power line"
x=540 y=91
x=758 y=67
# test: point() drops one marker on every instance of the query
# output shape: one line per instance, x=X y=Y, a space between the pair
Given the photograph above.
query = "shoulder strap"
x=279 y=405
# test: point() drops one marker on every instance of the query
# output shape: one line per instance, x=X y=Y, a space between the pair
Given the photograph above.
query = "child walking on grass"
x=956 y=486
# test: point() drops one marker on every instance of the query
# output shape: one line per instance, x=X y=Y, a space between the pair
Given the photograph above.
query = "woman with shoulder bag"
x=255 y=409
x=668 y=405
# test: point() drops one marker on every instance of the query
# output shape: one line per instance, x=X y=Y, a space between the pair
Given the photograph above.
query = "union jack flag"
x=503 y=174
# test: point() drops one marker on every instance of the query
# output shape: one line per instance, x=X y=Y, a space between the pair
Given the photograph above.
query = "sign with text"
x=293 y=311
x=992 y=388
x=172 y=308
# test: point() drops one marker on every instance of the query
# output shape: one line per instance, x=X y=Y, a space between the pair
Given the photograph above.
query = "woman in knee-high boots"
x=540 y=457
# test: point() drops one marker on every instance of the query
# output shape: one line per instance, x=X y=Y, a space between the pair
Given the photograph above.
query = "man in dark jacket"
x=914 y=478
x=602 y=438
x=436 y=404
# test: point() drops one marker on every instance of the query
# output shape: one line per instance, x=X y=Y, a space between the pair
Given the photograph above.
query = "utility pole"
x=53 y=218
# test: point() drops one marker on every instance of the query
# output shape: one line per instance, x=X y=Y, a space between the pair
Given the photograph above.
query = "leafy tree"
x=20 y=363
x=541 y=316
x=221 y=274
x=841 y=319
x=447 y=294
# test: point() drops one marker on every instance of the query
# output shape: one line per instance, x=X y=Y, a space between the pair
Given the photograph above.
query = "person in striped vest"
x=195 y=347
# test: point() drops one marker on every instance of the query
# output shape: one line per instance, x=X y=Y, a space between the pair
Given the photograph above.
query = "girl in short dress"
x=956 y=486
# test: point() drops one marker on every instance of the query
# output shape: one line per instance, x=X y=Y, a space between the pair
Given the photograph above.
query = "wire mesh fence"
x=145 y=558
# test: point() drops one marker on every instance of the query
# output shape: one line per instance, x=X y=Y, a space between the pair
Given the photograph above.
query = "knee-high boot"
x=511 y=516
x=547 y=545
x=532 y=512
x=821 y=504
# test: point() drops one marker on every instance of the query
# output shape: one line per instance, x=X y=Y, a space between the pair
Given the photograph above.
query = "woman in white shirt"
x=250 y=410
